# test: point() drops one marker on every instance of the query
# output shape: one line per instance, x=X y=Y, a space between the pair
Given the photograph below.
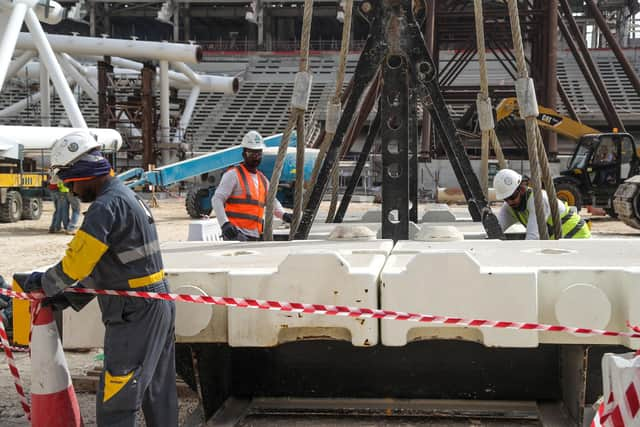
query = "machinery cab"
x=599 y=164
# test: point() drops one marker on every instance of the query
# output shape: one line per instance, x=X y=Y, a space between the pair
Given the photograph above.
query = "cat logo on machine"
x=550 y=119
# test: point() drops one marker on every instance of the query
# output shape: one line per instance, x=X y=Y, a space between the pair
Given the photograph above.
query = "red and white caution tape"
x=336 y=310
x=14 y=370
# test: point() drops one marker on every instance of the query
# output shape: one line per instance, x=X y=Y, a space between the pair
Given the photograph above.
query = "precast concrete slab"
x=578 y=283
x=333 y=273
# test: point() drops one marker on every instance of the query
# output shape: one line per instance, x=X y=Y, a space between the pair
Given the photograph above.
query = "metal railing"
x=247 y=45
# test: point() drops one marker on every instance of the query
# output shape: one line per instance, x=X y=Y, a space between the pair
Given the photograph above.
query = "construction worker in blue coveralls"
x=116 y=248
x=519 y=206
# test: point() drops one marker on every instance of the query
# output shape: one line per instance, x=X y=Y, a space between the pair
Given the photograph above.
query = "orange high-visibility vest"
x=247 y=209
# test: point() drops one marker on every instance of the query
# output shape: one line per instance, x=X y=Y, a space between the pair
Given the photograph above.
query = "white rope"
x=298 y=109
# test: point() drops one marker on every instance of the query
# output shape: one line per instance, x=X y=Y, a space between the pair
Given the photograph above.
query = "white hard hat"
x=253 y=141
x=506 y=182
x=71 y=147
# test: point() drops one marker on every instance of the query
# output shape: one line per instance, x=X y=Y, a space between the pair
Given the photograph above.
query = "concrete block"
x=452 y=283
x=414 y=229
x=580 y=283
x=204 y=230
x=442 y=233
x=351 y=232
x=337 y=277
x=438 y=212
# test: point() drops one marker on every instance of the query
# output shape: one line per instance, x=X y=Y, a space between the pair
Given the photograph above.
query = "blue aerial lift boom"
x=198 y=202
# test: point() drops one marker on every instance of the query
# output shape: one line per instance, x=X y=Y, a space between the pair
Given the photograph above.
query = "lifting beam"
x=396 y=47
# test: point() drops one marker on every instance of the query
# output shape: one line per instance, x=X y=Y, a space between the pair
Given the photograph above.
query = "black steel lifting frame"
x=396 y=45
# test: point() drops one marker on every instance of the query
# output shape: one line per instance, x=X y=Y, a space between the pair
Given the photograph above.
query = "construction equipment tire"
x=626 y=202
x=11 y=210
x=31 y=208
x=192 y=203
x=568 y=192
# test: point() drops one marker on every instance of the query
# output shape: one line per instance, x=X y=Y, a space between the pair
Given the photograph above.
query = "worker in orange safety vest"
x=240 y=198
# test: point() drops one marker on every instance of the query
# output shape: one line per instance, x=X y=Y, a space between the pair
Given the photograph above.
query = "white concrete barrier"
x=204 y=230
x=581 y=283
x=341 y=273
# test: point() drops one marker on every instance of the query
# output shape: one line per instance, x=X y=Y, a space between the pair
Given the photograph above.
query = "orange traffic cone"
x=53 y=400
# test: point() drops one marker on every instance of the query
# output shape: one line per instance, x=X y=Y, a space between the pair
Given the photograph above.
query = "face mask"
x=252 y=161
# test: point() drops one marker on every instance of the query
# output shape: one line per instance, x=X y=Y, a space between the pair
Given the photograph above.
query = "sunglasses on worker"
x=513 y=196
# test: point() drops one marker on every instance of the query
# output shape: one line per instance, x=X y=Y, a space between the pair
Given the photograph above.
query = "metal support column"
x=394 y=108
x=105 y=98
x=430 y=36
x=186 y=17
x=176 y=22
x=148 y=113
x=92 y=18
x=551 y=75
x=45 y=98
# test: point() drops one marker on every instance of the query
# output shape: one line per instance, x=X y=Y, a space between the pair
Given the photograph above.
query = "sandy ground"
x=26 y=245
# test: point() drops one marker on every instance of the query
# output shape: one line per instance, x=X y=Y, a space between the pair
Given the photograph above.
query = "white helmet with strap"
x=506 y=182
x=71 y=147
x=253 y=141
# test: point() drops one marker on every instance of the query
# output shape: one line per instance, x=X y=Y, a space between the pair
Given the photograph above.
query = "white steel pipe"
x=20 y=62
x=89 y=46
x=10 y=37
x=83 y=70
x=59 y=82
x=227 y=85
x=191 y=75
x=207 y=83
x=185 y=119
x=42 y=138
x=164 y=102
x=45 y=98
x=79 y=78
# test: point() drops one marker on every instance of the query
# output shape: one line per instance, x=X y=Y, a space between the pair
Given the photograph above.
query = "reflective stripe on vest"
x=573 y=226
x=247 y=209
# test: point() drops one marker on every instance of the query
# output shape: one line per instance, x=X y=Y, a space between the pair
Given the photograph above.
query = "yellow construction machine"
x=603 y=171
x=21 y=184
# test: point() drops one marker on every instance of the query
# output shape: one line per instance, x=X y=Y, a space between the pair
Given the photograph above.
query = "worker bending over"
x=116 y=248
x=519 y=206
x=240 y=198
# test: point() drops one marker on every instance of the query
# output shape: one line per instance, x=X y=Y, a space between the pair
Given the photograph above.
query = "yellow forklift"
x=600 y=164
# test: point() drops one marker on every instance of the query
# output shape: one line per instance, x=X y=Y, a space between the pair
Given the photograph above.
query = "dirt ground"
x=27 y=244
